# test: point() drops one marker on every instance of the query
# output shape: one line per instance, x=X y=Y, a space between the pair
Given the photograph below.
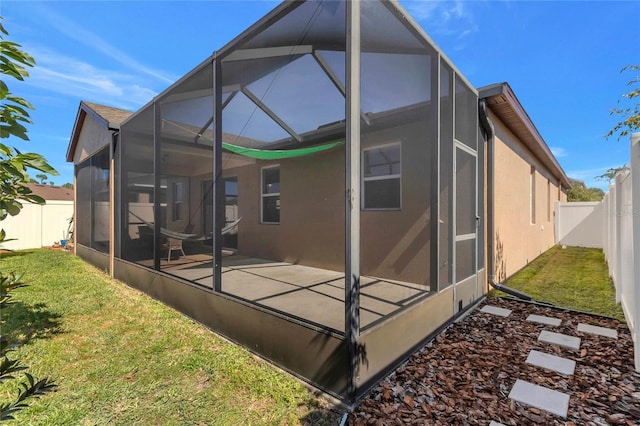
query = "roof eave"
x=83 y=111
x=540 y=148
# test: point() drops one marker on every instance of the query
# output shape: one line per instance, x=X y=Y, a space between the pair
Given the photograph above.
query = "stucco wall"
x=394 y=244
x=519 y=237
x=93 y=137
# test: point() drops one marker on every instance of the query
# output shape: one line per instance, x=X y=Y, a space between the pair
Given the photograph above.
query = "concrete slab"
x=316 y=307
x=494 y=310
x=600 y=331
x=394 y=292
x=540 y=397
x=309 y=293
x=253 y=287
x=544 y=320
x=295 y=274
x=495 y=424
x=559 y=339
x=551 y=362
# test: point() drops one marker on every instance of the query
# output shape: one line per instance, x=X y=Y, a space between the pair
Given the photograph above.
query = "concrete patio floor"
x=310 y=294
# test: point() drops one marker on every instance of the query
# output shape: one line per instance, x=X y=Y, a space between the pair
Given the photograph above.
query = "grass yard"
x=574 y=277
x=120 y=357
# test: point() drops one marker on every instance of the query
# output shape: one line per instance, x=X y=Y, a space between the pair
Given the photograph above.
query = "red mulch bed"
x=464 y=375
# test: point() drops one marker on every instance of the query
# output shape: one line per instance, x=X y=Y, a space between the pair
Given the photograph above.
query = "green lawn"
x=574 y=277
x=120 y=357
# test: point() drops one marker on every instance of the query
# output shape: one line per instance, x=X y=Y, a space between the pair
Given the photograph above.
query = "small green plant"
x=30 y=387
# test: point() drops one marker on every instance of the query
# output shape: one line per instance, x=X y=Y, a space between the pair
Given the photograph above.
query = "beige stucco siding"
x=522 y=231
x=93 y=137
x=311 y=228
x=394 y=243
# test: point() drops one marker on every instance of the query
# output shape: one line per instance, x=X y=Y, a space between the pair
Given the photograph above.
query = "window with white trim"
x=381 y=177
x=270 y=207
x=177 y=201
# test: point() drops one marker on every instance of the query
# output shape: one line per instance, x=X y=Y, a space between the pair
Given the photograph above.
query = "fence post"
x=617 y=218
x=635 y=215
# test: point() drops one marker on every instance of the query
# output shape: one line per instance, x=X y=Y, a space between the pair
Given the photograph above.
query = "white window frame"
x=263 y=195
x=177 y=195
x=364 y=179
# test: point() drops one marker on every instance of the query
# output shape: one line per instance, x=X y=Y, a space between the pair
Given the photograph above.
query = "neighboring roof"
x=49 y=192
x=107 y=116
x=505 y=105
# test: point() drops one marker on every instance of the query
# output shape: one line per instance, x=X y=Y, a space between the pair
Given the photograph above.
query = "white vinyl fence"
x=621 y=241
x=37 y=226
x=579 y=224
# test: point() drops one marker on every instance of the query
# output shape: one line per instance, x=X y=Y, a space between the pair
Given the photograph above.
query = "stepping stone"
x=600 y=331
x=540 y=397
x=559 y=339
x=494 y=310
x=551 y=362
x=495 y=424
x=544 y=320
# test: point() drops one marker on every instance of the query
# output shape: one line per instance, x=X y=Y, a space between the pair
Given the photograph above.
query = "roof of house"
x=505 y=105
x=107 y=116
x=49 y=192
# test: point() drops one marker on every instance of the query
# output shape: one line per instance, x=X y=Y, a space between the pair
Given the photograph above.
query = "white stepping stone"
x=540 y=397
x=494 y=310
x=600 y=331
x=495 y=424
x=544 y=320
x=559 y=339
x=551 y=362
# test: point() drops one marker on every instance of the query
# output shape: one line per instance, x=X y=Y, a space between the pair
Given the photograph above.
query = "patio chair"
x=174 y=244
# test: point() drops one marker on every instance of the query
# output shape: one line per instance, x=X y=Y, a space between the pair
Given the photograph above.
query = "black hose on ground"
x=511 y=291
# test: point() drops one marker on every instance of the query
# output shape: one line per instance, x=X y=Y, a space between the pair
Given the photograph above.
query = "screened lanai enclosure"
x=313 y=191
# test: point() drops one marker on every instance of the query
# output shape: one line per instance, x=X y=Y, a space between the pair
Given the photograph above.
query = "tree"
x=43 y=178
x=611 y=173
x=630 y=122
x=580 y=192
x=14 y=115
x=13 y=179
x=68 y=185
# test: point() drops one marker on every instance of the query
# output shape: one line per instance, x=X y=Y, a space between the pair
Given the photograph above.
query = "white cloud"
x=67 y=75
x=448 y=18
x=76 y=32
x=422 y=9
x=558 y=152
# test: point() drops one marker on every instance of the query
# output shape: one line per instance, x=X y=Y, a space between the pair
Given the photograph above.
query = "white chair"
x=174 y=244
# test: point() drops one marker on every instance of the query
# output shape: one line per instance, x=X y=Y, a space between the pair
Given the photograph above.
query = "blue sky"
x=562 y=59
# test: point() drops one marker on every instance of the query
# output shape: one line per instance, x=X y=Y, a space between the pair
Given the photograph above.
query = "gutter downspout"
x=489 y=129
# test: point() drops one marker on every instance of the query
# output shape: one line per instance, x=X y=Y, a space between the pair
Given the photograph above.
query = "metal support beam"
x=268 y=52
x=112 y=200
x=335 y=80
x=434 y=178
x=270 y=113
x=157 y=129
x=218 y=188
x=352 y=187
x=210 y=121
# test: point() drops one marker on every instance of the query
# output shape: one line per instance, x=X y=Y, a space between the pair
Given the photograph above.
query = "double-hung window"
x=177 y=201
x=381 y=177
x=270 y=208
